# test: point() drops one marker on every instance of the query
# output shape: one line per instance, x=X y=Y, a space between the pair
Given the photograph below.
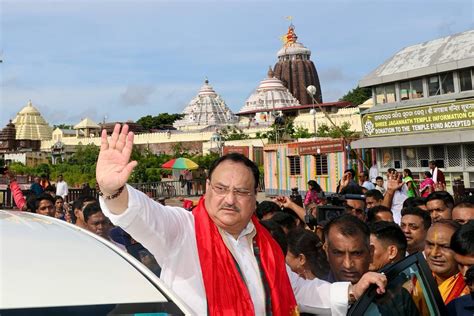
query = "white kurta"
x=168 y=233
x=62 y=189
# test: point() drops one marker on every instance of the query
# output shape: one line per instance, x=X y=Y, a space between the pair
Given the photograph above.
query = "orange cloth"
x=453 y=287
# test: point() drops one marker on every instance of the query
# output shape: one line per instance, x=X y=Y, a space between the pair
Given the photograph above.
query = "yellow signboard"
x=446 y=116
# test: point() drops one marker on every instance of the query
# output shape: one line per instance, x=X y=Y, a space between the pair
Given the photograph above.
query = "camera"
x=3 y=170
x=335 y=206
x=296 y=197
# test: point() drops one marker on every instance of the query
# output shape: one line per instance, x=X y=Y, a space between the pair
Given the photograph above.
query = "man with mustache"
x=218 y=259
x=415 y=224
x=348 y=248
x=441 y=260
x=440 y=205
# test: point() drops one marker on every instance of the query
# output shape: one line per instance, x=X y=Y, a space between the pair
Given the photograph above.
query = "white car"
x=50 y=267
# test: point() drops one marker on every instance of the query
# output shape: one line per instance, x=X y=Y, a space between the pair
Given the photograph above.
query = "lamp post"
x=217 y=139
x=312 y=92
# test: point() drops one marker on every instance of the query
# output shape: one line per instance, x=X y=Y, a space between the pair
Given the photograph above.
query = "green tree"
x=233 y=133
x=205 y=161
x=301 y=132
x=357 y=96
x=160 y=121
x=63 y=126
x=344 y=130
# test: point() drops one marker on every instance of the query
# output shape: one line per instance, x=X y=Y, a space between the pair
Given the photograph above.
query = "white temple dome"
x=270 y=95
x=294 y=49
x=206 y=109
x=30 y=125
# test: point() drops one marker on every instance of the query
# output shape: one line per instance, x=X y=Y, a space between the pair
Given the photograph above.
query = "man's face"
x=370 y=201
x=431 y=166
x=231 y=210
x=362 y=177
x=381 y=256
x=415 y=233
x=356 y=208
x=348 y=256
x=60 y=178
x=348 y=174
x=46 y=207
x=463 y=214
x=464 y=262
x=379 y=182
x=439 y=256
x=438 y=210
x=99 y=225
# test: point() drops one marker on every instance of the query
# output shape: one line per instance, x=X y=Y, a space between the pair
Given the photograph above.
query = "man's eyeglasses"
x=221 y=190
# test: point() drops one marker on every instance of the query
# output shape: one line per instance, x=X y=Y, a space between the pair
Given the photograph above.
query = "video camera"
x=335 y=206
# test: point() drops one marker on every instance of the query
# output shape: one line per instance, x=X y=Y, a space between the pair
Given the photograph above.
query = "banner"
x=447 y=116
x=320 y=147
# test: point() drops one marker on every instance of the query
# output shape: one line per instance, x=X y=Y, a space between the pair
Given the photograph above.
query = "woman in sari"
x=427 y=185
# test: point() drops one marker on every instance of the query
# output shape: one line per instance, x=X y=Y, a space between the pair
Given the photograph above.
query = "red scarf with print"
x=226 y=292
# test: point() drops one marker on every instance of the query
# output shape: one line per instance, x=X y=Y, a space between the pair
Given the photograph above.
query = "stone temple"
x=30 y=125
x=205 y=110
x=295 y=69
x=268 y=100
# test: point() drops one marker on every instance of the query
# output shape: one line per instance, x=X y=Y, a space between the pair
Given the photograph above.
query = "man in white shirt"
x=396 y=193
x=221 y=227
x=373 y=172
x=364 y=181
x=62 y=188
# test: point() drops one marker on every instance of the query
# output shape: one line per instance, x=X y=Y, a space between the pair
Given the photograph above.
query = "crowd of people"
x=382 y=224
x=233 y=255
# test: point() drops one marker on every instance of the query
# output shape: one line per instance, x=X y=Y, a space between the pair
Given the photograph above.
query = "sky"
x=120 y=60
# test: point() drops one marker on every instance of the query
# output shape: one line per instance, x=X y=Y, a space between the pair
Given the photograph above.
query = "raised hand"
x=113 y=165
x=346 y=178
x=283 y=201
x=394 y=181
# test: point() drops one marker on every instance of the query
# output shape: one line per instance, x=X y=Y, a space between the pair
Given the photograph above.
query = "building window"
x=321 y=165
x=433 y=86
x=380 y=95
x=447 y=83
x=385 y=94
x=295 y=166
x=405 y=90
x=390 y=93
x=465 y=79
x=412 y=89
x=417 y=88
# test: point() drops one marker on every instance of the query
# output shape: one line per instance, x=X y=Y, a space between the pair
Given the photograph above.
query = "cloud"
x=137 y=95
x=333 y=74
